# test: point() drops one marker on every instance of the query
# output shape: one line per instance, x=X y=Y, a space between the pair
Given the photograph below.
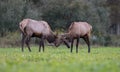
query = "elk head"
x=61 y=39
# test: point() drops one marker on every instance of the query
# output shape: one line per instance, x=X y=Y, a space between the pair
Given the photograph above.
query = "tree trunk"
x=118 y=29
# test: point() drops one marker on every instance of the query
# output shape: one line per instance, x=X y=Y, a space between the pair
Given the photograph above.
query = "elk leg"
x=40 y=46
x=22 y=42
x=27 y=42
x=77 y=45
x=72 y=45
x=43 y=44
x=86 y=38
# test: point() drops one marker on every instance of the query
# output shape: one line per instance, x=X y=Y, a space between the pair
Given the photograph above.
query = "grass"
x=101 y=59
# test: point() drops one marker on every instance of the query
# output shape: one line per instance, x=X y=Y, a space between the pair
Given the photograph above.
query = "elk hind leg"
x=86 y=38
x=22 y=42
x=27 y=42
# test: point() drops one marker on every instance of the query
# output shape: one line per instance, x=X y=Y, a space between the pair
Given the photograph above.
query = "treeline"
x=103 y=15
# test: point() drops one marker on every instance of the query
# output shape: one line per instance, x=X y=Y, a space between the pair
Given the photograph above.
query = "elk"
x=32 y=28
x=75 y=31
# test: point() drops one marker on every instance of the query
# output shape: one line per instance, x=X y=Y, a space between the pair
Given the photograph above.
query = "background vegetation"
x=103 y=15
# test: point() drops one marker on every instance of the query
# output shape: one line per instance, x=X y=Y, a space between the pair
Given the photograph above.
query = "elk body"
x=32 y=28
x=77 y=30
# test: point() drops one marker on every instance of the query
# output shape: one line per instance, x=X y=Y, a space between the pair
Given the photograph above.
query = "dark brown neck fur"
x=51 y=38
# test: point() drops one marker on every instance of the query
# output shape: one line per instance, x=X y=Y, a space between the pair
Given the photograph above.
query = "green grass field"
x=101 y=59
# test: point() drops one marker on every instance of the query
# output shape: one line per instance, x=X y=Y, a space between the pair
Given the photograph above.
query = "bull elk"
x=32 y=28
x=77 y=30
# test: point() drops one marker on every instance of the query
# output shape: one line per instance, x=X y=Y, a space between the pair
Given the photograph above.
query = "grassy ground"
x=101 y=59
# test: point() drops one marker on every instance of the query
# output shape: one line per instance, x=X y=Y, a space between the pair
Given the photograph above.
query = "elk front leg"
x=72 y=45
x=77 y=43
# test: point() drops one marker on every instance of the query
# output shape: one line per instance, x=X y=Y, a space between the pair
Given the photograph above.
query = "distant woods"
x=103 y=15
x=114 y=16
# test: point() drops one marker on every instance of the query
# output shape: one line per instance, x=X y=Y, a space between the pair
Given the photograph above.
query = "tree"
x=13 y=11
x=114 y=16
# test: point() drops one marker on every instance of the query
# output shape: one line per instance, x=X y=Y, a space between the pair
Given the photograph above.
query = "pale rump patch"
x=23 y=24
